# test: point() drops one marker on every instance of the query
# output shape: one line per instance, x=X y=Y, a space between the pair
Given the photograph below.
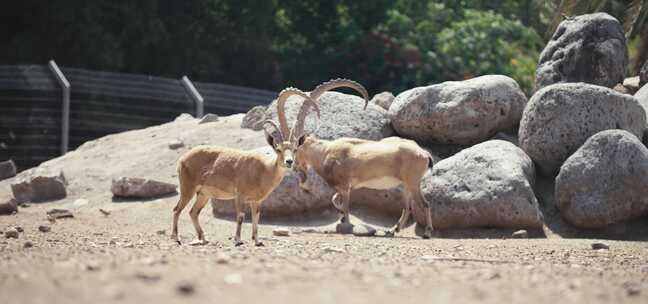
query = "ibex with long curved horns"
x=245 y=176
x=351 y=163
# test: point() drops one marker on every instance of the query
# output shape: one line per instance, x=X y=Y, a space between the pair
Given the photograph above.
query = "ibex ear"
x=301 y=140
x=270 y=140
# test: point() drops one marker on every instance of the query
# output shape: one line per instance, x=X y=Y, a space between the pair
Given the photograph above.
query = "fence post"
x=195 y=95
x=65 y=118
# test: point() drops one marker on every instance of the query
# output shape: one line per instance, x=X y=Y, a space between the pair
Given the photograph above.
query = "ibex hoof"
x=344 y=228
x=259 y=244
x=427 y=234
x=390 y=233
x=238 y=243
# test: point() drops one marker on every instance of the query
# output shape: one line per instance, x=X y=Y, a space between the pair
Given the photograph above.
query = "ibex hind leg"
x=427 y=210
x=405 y=214
x=240 y=217
x=186 y=194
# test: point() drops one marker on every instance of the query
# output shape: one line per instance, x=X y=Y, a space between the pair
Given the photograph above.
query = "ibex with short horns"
x=245 y=176
x=351 y=163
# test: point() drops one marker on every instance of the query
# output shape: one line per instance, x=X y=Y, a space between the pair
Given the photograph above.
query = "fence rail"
x=101 y=103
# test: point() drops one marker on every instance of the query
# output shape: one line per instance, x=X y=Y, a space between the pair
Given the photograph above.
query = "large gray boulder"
x=254 y=118
x=39 y=185
x=458 y=112
x=487 y=185
x=342 y=115
x=559 y=118
x=605 y=181
x=588 y=48
x=289 y=199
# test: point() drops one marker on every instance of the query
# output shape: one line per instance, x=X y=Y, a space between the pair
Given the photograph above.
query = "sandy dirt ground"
x=128 y=257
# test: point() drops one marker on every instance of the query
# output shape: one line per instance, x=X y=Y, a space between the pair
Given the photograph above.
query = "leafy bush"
x=487 y=43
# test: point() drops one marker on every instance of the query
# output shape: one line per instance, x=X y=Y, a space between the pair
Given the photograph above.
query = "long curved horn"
x=272 y=123
x=298 y=127
x=281 y=108
x=337 y=83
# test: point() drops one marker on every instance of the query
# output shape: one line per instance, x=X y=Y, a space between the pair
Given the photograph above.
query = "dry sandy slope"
x=77 y=262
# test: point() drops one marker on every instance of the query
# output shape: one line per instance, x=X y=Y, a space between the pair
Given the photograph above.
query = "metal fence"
x=33 y=115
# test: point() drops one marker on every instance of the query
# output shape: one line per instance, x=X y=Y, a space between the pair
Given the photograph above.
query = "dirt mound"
x=144 y=153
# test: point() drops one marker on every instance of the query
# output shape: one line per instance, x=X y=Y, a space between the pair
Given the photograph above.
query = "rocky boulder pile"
x=486 y=139
x=605 y=181
x=588 y=48
x=561 y=117
x=458 y=112
x=487 y=185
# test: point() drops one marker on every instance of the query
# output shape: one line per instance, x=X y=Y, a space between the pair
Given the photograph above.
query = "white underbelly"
x=214 y=192
x=381 y=183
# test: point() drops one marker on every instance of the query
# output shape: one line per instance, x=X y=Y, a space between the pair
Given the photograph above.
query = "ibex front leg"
x=201 y=200
x=342 y=200
x=256 y=214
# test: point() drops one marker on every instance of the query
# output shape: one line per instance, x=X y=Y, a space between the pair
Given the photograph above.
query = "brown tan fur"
x=349 y=163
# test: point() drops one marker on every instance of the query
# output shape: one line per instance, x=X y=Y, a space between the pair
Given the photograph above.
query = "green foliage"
x=270 y=44
x=487 y=43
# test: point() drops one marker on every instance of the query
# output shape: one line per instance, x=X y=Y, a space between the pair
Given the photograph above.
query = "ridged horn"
x=272 y=123
x=281 y=108
x=338 y=83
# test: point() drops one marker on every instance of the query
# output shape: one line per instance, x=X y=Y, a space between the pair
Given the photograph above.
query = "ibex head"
x=305 y=140
x=286 y=145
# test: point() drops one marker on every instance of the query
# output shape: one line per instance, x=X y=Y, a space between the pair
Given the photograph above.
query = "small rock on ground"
x=28 y=244
x=9 y=207
x=233 y=278
x=44 y=228
x=60 y=213
x=222 y=258
x=133 y=187
x=281 y=232
x=333 y=250
x=186 y=288
x=104 y=212
x=363 y=230
x=632 y=289
x=520 y=234
x=11 y=233
x=598 y=245
x=176 y=144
